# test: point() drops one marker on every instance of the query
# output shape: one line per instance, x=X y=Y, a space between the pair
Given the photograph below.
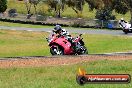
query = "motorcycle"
x=126 y=28
x=61 y=46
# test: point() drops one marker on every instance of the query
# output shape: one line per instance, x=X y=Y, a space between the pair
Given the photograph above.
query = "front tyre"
x=83 y=50
x=126 y=31
x=56 y=50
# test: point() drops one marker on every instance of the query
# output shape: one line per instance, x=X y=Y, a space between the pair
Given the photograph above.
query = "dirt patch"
x=54 y=61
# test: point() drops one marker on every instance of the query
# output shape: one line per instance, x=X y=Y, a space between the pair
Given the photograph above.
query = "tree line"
x=104 y=7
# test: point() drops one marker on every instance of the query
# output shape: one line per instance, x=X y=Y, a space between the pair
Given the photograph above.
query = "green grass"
x=22 y=25
x=107 y=43
x=63 y=76
x=23 y=43
x=9 y=24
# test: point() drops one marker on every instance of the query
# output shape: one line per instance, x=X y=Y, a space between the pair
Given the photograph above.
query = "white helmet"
x=122 y=19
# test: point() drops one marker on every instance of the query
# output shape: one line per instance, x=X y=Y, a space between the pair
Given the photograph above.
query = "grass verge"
x=63 y=76
x=9 y=24
x=23 y=43
x=22 y=25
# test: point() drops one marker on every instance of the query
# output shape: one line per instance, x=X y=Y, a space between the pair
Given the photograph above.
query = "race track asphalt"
x=72 y=30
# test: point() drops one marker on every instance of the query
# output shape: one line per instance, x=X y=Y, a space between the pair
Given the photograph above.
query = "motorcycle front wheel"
x=125 y=31
x=56 y=50
x=83 y=51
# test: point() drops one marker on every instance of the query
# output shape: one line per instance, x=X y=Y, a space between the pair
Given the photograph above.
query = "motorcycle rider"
x=124 y=24
x=58 y=31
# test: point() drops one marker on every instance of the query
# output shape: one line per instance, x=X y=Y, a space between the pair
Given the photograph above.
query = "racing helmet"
x=122 y=19
x=57 y=29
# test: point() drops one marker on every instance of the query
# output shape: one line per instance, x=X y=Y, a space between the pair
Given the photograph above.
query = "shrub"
x=12 y=12
x=105 y=14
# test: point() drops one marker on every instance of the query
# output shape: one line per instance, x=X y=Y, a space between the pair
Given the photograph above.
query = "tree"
x=76 y=5
x=28 y=6
x=34 y=3
x=29 y=3
x=94 y=4
x=123 y=6
x=103 y=10
x=120 y=6
x=105 y=14
x=103 y=7
x=56 y=5
x=3 y=5
x=59 y=5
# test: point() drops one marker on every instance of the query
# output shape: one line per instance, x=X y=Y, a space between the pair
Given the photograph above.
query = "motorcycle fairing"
x=65 y=44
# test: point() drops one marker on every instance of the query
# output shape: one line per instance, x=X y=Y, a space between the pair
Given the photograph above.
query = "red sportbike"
x=61 y=46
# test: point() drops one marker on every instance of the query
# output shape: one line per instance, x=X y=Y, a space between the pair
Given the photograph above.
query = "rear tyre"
x=56 y=50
